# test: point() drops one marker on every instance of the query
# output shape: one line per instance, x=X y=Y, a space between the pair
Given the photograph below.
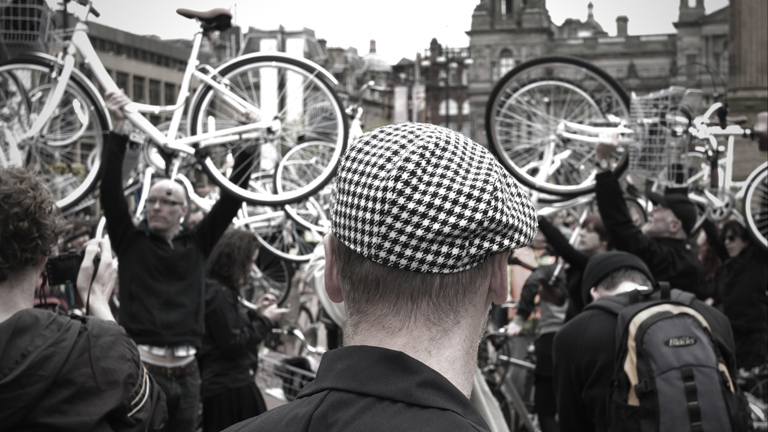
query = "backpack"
x=669 y=371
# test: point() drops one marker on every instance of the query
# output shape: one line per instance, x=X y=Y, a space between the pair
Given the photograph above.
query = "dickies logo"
x=681 y=341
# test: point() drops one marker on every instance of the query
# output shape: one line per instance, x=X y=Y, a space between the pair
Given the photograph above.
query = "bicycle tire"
x=270 y=275
x=67 y=152
x=291 y=90
x=277 y=232
x=755 y=206
x=518 y=131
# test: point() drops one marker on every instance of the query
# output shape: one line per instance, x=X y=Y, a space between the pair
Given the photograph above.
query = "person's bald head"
x=166 y=207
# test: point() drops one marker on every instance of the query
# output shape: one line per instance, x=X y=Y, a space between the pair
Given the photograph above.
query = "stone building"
x=505 y=33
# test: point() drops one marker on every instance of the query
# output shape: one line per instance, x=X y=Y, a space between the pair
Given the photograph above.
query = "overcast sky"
x=401 y=28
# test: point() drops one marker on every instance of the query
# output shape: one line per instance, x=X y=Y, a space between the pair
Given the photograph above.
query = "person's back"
x=586 y=350
x=57 y=372
x=62 y=373
x=422 y=224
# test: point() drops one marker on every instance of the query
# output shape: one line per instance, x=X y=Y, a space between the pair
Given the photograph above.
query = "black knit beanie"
x=602 y=265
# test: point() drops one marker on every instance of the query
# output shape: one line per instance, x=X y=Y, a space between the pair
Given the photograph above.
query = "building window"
x=453 y=107
x=121 y=79
x=620 y=73
x=644 y=73
x=465 y=77
x=506 y=62
x=465 y=107
x=170 y=94
x=494 y=72
x=441 y=78
x=154 y=92
x=138 y=89
x=453 y=77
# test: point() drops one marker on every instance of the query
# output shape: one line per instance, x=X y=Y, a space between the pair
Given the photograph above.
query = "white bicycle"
x=53 y=119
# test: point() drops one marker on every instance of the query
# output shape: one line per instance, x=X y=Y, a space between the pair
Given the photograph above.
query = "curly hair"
x=28 y=220
x=231 y=259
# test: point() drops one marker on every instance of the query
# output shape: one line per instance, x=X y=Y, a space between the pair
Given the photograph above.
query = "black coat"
x=668 y=259
x=230 y=345
x=364 y=388
x=161 y=280
x=61 y=373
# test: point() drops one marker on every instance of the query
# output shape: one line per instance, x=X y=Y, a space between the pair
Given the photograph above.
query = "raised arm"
x=218 y=219
x=119 y=223
x=557 y=240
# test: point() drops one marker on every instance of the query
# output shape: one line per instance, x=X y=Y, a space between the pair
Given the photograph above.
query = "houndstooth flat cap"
x=424 y=198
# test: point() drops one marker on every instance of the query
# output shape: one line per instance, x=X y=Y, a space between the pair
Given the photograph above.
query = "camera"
x=63 y=268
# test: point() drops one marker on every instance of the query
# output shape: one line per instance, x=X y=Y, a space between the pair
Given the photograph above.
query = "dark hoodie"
x=62 y=373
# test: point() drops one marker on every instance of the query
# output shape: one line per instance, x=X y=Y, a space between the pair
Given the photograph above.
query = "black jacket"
x=363 y=388
x=161 y=280
x=669 y=260
x=744 y=281
x=229 y=355
x=584 y=356
x=61 y=373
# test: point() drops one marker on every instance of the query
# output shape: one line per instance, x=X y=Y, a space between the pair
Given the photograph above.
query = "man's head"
x=421 y=217
x=673 y=216
x=195 y=216
x=166 y=206
x=28 y=222
x=594 y=237
x=612 y=273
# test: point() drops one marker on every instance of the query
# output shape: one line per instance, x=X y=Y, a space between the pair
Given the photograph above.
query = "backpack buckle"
x=642 y=388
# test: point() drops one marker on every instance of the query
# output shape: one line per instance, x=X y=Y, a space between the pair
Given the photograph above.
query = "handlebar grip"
x=94 y=12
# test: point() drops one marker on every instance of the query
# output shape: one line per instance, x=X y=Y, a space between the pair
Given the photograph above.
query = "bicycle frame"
x=82 y=44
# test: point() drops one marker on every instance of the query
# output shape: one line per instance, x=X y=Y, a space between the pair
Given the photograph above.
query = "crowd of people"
x=423 y=224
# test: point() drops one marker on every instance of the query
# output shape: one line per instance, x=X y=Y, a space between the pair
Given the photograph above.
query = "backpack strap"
x=665 y=290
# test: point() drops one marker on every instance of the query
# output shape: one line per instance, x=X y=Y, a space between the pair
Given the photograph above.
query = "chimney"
x=373 y=46
x=621 y=25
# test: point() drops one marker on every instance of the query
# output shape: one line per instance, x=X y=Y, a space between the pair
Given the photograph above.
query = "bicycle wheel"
x=66 y=154
x=756 y=206
x=289 y=90
x=279 y=233
x=528 y=105
x=270 y=275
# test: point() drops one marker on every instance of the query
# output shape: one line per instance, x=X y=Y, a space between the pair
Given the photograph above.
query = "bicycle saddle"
x=215 y=19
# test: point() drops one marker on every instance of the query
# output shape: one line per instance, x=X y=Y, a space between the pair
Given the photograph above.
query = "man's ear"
x=595 y=293
x=499 y=284
x=331 y=276
x=675 y=225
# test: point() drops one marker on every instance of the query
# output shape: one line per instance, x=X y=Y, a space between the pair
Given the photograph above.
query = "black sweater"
x=668 y=259
x=161 y=280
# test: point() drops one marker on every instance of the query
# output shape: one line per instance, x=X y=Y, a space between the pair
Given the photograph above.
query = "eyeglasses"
x=730 y=238
x=163 y=202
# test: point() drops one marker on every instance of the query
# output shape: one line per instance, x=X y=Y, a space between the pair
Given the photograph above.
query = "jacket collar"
x=391 y=375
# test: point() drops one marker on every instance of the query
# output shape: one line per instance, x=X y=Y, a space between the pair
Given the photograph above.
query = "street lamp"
x=449 y=60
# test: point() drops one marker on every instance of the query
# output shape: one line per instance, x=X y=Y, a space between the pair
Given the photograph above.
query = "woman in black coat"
x=228 y=359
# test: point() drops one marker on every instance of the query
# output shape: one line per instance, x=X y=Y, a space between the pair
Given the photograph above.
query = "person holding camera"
x=56 y=371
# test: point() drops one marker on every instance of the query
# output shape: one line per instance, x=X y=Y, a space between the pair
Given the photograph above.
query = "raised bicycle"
x=54 y=119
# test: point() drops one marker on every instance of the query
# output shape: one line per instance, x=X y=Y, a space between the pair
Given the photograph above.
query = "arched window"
x=453 y=107
x=506 y=62
x=465 y=107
